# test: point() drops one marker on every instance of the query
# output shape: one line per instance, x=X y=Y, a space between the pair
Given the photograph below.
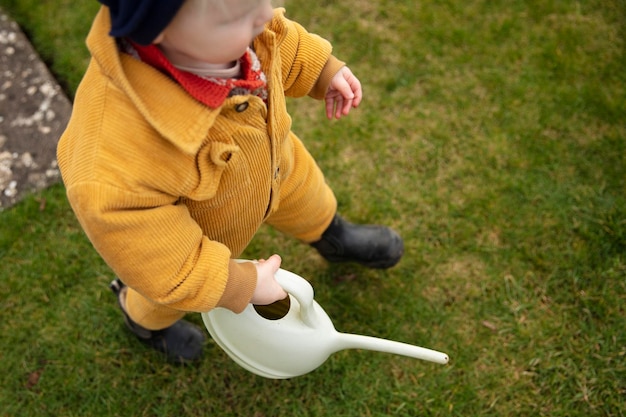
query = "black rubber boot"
x=370 y=245
x=181 y=342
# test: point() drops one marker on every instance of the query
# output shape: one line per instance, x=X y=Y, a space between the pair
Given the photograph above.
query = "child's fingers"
x=347 y=106
x=330 y=105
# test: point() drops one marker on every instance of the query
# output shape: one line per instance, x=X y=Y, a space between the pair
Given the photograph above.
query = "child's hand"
x=343 y=94
x=267 y=289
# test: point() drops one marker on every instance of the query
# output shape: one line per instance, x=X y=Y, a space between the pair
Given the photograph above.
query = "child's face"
x=203 y=32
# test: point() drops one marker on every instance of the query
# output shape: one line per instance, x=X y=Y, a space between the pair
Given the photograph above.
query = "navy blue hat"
x=141 y=20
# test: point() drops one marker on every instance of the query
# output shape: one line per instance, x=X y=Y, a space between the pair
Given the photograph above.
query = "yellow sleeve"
x=307 y=62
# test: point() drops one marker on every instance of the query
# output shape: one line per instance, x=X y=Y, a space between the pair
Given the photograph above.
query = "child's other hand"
x=343 y=94
x=267 y=289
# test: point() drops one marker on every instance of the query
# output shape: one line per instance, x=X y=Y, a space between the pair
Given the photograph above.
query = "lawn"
x=492 y=136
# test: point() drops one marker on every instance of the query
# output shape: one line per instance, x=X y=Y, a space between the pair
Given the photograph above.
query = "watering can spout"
x=355 y=341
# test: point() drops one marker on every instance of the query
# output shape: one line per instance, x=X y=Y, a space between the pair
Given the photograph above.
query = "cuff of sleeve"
x=240 y=286
x=333 y=65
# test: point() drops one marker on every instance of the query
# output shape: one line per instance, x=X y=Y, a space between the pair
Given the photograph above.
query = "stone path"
x=33 y=114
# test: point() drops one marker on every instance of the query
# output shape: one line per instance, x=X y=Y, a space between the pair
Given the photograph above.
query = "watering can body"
x=296 y=343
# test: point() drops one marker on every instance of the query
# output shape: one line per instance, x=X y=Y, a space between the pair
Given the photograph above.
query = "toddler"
x=180 y=147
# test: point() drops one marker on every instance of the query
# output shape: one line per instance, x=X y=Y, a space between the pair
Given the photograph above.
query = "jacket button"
x=241 y=107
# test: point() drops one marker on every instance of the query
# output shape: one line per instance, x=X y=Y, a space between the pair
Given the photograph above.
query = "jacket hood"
x=186 y=126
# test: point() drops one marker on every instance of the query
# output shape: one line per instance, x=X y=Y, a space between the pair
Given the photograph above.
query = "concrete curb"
x=33 y=113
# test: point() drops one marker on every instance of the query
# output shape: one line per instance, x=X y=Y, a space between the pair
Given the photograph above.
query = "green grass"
x=492 y=136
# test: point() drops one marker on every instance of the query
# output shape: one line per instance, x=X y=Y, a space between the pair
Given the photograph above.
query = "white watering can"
x=297 y=343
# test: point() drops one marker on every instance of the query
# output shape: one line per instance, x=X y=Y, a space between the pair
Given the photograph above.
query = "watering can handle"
x=302 y=291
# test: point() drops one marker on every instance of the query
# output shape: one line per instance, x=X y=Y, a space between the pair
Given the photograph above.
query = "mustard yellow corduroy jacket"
x=168 y=190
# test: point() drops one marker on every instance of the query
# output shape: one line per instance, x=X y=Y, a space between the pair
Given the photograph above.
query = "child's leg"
x=148 y=314
x=308 y=211
x=307 y=204
x=159 y=327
